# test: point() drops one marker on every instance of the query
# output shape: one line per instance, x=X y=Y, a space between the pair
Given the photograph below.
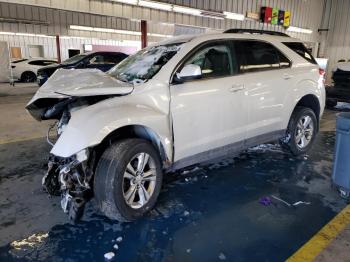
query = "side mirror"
x=189 y=72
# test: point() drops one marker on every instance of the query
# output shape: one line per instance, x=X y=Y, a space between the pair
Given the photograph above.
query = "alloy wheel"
x=139 y=180
x=304 y=131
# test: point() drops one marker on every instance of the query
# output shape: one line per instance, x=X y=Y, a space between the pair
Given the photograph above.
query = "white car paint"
x=193 y=117
x=25 y=66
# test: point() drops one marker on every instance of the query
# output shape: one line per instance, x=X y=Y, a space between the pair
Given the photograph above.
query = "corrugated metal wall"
x=49 y=44
x=304 y=13
x=337 y=39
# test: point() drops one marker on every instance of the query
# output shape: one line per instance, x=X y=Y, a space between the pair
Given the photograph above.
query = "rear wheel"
x=28 y=77
x=301 y=132
x=128 y=179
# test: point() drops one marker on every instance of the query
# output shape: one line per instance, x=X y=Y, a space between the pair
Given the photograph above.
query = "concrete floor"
x=210 y=213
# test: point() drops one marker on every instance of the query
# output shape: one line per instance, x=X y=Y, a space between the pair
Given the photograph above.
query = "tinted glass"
x=18 y=61
x=96 y=60
x=258 y=56
x=301 y=50
x=41 y=62
x=74 y=59
x=114 y=58
x=284 y=61
x=215 y=60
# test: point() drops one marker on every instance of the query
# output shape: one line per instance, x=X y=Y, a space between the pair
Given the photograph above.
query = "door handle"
x=287 y=76
x=236 y=88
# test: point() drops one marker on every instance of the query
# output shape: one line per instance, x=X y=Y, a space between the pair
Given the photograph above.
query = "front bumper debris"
x=70 y=178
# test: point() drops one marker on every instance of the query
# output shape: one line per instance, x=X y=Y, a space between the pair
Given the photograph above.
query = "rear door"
x=268 y=75
x=207 y=113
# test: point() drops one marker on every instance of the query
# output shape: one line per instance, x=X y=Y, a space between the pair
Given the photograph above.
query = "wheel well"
x=27 y=72
x=311 y=102
x=132 y=131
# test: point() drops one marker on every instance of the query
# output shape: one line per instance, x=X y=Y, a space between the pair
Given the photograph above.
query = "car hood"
x=75 y=83
x=82 y=82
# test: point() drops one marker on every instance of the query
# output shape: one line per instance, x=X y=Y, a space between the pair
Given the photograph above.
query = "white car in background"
x=25 y=69
x=172 y=105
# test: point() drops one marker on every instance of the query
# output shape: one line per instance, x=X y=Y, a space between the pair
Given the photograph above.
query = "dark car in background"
x=100 y=60
x=340 y=90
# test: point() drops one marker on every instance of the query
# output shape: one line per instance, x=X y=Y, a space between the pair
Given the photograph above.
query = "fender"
x=99 y=120
x=303 y=88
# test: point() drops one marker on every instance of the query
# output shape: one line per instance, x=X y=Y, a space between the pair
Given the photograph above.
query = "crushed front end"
x=71 y=178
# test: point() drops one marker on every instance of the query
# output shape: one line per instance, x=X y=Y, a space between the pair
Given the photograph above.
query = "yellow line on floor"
x=9 y=141
x=320 y=241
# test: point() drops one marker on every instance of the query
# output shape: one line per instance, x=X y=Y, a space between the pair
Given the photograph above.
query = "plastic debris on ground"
x=109 y=255
x=267 y=201
x=119 y=239
x=186 y=213
x=222 y=256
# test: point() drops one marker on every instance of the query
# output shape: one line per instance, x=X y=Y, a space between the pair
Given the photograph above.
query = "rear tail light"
x=321 y=71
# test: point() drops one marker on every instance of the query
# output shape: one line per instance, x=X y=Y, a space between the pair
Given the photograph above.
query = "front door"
x=208 y=113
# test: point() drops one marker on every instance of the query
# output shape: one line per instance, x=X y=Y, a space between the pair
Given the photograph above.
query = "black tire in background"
x=28 y=77
x=109 y=177
x=290 y=141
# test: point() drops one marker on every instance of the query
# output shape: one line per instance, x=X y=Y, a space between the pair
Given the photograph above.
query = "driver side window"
x=96 y=60
x=215 y=60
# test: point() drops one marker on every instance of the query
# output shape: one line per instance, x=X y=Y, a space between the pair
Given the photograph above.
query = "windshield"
x=74 y=59
x=144 y=64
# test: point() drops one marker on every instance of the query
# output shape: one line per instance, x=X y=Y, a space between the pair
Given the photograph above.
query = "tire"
x=330 y=103
x=28 y=77
x=291 y=141
x=112 y=187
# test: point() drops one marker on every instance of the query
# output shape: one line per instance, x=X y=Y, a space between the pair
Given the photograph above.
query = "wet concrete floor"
x=209 y=213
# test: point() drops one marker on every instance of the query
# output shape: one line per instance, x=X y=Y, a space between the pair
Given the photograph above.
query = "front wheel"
x=128 y=179
x=301 y=131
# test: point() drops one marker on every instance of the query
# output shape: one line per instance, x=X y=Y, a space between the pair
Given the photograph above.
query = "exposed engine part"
x=62 y=123
x=70 y=178
x=48 y=137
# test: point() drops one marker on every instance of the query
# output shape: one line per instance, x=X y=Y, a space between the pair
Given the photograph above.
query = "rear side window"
x=301 y=50
x=41 y=62
x=257 y=56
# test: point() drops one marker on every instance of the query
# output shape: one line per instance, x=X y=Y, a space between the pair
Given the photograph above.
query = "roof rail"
x=254 y=31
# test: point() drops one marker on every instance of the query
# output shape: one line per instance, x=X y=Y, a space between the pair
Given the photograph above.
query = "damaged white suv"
x=180 y=102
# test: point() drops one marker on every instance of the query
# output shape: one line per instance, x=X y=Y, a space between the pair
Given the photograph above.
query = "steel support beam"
x=143 y=33
x=58 y=48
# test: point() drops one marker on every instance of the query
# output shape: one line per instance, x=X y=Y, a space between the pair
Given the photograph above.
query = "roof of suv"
x=210 y=36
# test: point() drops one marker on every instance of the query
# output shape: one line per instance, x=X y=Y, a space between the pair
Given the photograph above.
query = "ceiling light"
x=187 y=10
x=234 y=16
x=6 y=33
x=25 y=34
x=299 y=30
x=159 y=35
x=78 y=27
x=129 y=2
x=104 y=30
x=155 y=5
